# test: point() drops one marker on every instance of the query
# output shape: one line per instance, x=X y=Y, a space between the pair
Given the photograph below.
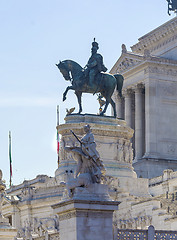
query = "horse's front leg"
x=66 y=91
x=79 y=95
x=105 y=108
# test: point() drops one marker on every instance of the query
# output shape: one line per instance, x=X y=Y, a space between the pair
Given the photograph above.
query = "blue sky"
x=35 y=35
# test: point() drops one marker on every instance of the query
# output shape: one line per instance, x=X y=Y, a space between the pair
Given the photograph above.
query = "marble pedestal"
x=86 y=219
x=112 y=137
x=6 y=231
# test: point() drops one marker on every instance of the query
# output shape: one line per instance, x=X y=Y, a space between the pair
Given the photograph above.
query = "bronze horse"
x=105 y=83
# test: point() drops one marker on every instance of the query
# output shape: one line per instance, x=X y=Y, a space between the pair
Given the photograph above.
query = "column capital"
x=127 y=92
x=139 y=88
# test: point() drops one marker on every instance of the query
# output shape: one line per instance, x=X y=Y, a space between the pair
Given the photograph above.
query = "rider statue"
x=95 y=64
x=172 y=6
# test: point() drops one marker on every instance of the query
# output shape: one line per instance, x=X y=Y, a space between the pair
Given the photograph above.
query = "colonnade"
x=132 y=109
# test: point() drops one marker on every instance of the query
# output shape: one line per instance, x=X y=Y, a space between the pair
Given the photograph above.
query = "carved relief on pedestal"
x=125 y=151
x=39 y=227
x=120 y=148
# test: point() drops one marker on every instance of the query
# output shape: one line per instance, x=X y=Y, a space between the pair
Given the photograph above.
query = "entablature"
x=157 y=38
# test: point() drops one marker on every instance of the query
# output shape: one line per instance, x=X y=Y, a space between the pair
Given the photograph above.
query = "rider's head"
x=94 y=50
x=95 y=44
x=87 y=128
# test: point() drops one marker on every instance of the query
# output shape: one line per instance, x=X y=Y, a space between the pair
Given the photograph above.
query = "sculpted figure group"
x=90 y=168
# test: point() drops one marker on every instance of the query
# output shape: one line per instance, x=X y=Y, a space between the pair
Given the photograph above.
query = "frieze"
x=160 y=70
x=68 y=215
x=91 y=214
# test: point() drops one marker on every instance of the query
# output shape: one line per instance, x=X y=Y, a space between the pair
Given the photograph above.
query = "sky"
x=35 y=35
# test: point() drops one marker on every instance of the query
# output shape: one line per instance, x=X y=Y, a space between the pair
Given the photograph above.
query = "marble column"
x=128 y=106
x=119 y=106
x=139 y=121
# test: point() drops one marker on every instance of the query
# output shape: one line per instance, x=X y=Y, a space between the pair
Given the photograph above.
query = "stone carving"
x=124 y=49
x=134 y=223
x=126 y=64
x=90 y=168
x=160 y=70
x=171 y=148
x=27 y=192
x=121 y=150
x=43 y=225
x=25 y=232
x=125 y=151
x=130 y=153
x=39 y=227
x=2 y=185
x=2 y=192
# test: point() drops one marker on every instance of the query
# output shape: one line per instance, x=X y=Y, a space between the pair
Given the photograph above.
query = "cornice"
x=126 y=61
x=131 y=62
x=158 y=37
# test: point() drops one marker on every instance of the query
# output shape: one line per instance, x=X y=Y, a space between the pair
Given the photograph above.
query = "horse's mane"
x=75 y=64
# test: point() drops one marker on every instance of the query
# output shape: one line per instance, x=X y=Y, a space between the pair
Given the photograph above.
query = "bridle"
x=64 y=68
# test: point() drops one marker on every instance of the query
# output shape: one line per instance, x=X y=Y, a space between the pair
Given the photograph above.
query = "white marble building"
x=150 y=98
x=149 y=106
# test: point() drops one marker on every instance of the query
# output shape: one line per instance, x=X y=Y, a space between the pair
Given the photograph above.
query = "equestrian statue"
x=91 y=79
x=172 y=6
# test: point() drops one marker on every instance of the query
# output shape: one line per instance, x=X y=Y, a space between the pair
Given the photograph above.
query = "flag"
x=10 y=157
x=58 y=136
x=58 y=143
x=58 y=147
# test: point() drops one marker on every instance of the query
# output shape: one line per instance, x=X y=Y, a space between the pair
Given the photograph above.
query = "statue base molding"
x=6 y=231
x=85 y=219
x=112 y=137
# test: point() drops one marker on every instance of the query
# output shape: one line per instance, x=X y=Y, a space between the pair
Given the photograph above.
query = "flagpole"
x=58 y=116
x=10 y=158
x=58 y=139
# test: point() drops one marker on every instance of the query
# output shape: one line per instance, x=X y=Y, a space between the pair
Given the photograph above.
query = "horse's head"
x=64 y=70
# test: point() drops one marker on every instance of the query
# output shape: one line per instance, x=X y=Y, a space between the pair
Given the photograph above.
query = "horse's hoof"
x=64 y=98
x=101 y=114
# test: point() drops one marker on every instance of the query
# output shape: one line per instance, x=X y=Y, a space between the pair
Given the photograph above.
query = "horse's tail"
x=120 y=81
